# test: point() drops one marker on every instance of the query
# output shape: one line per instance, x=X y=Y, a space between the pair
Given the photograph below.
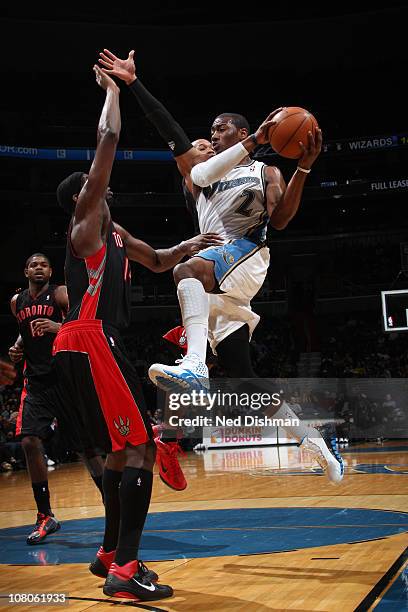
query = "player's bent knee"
x=197 y=268
x=184 y=270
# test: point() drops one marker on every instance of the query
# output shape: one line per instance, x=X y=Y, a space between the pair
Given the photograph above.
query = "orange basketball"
x=292 y=124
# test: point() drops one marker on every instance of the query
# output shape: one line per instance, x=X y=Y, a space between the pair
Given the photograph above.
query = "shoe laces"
x=192 y=357
x=172 y=450
x=142 y=569
x=40 y=518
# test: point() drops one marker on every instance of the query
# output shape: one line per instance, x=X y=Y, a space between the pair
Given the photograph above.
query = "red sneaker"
x=169 y=467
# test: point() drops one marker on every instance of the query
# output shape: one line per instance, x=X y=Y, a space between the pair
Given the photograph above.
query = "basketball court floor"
x=256 y=529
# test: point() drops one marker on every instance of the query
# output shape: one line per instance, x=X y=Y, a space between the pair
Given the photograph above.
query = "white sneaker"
x=329 y=460
x=190 y=374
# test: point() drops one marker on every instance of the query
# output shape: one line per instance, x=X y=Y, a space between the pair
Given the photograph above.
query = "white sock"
x=303 y=432
x=299 y=432
x=194 y=310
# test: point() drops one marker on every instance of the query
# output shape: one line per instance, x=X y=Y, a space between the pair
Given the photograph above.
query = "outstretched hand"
x=123 y=69
x=104 y=80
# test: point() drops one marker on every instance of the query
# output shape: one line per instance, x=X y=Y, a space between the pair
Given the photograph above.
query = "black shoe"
x=45 y=525
x=100 y=566
x=126 y=581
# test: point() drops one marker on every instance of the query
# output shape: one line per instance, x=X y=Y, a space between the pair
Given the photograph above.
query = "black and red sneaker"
x=128 y=581
x=100 y=566
x=169 y=467
x=45 y=525
x=103 y=560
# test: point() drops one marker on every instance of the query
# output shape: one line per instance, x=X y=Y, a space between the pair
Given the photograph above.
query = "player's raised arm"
x=91 y=209
x=283 y=202
x=186 y=156
x=171 y=131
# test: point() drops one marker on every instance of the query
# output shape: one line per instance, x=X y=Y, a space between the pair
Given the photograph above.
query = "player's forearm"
x=168 y=258
x=110 y=122
x=289 y=203
x=162 y=120
x=213 y=169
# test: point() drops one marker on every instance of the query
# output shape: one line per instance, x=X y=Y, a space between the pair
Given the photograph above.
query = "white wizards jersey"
x=235 y=206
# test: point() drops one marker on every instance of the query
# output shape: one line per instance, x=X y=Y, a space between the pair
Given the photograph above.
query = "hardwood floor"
x=332 y=576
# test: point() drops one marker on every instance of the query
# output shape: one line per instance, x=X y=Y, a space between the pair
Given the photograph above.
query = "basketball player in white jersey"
x=237 y=198
x=240 y=205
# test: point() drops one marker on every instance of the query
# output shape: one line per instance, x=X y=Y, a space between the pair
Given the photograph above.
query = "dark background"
x=346 y=64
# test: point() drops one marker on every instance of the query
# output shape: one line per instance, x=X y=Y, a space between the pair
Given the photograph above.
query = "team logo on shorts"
x=123 y=428
x=228 y=258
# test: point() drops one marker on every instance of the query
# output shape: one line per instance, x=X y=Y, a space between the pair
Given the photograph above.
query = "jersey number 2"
x=243 y=209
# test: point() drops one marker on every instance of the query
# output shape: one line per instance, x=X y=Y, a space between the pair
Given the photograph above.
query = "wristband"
x=305 y=170
x=254 y=140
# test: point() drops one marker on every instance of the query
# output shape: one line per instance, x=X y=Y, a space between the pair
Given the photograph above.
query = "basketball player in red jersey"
x=103 y=398
x=39 y=311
